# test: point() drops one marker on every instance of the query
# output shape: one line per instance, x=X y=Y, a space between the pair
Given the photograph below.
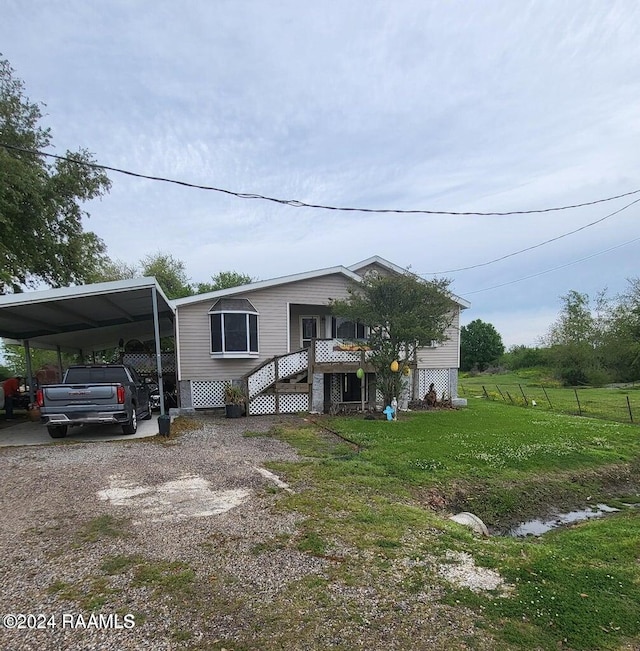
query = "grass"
x=104 y=526
x=373 y=522
x=575 y=588
x=527 y=385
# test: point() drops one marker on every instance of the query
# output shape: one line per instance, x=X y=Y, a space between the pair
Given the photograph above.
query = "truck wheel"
x=132 y=426
x=57 y=431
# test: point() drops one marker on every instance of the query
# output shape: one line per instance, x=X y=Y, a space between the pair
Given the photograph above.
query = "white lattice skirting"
x=207 y=393
x=210 y=394
x=444 y=379
x=289 y=403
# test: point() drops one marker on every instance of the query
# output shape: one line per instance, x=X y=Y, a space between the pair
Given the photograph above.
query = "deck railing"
x=278 y=368
x=328 y=351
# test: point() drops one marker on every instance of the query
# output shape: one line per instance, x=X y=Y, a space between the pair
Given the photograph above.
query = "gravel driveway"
x=182 y=544
x=72 y=513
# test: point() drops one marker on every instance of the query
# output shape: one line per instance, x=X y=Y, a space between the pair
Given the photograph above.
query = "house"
x=278 y=338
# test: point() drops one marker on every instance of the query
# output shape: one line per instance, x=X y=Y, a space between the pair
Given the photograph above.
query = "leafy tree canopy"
x=41 y=232
x=169 y=272
x=403 y=313
x=114 y=270
x=224 y=280
x=480 y=345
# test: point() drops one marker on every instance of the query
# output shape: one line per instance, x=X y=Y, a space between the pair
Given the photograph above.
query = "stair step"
x=292 y=387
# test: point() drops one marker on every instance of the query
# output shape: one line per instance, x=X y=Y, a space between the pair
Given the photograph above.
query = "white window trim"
x=234 y=354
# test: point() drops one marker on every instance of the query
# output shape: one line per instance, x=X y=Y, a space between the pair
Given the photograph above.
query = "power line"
x=530 y=248
x=301 y=204
x=546 y=271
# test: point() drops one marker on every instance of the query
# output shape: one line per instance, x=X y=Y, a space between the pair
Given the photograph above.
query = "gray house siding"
x=272 y=304
x=444 y=355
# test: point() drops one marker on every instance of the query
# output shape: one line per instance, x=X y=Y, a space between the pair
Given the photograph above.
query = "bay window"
x=234 y=328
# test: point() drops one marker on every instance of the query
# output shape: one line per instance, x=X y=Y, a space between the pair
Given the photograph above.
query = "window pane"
x=253 y=333
x=216 y=333
x=235 y=332
x=345 y=329
x=309 y=327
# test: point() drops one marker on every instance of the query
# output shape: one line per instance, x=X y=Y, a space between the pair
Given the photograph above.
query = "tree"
x=480 y=345
x=16 y=358
x=621 y=341
x=574 y=338
x=224 y=280
x=169 y=272
x=41 y=232
x=518 y=357
x=114 y=270
x=403 y=313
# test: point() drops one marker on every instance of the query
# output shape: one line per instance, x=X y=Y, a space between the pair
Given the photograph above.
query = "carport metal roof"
x=88 y=317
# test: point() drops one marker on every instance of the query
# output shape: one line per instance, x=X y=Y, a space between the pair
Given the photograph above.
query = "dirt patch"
x=188 y=496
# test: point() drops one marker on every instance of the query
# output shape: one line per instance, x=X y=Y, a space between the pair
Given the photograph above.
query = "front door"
x=308 y=330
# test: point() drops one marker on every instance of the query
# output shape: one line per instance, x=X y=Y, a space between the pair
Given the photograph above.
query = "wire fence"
x=621 y=405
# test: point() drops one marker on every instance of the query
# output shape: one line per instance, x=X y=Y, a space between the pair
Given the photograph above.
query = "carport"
x=88 y=318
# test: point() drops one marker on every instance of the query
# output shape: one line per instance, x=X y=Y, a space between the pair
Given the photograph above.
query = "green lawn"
x=576 y=588
x=526 y=386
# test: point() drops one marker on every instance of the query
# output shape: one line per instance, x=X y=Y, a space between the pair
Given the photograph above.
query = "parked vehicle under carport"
x=95 y=394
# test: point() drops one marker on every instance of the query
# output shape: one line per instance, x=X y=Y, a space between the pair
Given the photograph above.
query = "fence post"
x=510 y=398
x=545 y=393
x=486 y=395
x=526 y=402
x=500 y=392
x=629 y=407
x=578 y=401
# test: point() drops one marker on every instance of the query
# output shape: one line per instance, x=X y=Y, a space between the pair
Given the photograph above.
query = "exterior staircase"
x=279 y=385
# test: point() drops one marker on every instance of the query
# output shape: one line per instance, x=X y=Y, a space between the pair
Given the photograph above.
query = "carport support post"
x=156 y=334
x=27 y=357
x=59 y=362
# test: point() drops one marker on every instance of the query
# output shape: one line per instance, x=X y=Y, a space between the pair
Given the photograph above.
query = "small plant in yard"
x=234 y=395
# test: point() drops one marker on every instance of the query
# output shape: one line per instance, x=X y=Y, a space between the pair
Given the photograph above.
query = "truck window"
x=96 y=375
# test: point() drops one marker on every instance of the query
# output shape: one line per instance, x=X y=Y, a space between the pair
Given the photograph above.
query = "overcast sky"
x=457 y=106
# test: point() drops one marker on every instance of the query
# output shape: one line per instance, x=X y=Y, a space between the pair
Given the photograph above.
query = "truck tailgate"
x=60 y=395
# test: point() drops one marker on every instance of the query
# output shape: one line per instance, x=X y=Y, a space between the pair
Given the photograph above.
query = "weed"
x=90 y=594
x=120 y=564
x=313 y=544
x=104 y=526
x=277 y=542
x=165 y=576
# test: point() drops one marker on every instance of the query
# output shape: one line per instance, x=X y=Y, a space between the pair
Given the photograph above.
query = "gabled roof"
x=349 y=272
x=376 y=259
x=264 y=284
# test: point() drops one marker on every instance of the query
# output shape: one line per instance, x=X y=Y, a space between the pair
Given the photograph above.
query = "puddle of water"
x=539 y=527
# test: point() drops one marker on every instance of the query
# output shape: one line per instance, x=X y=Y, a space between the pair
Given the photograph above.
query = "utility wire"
x=530 y=248
x=541 y=273
x=301 y=204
